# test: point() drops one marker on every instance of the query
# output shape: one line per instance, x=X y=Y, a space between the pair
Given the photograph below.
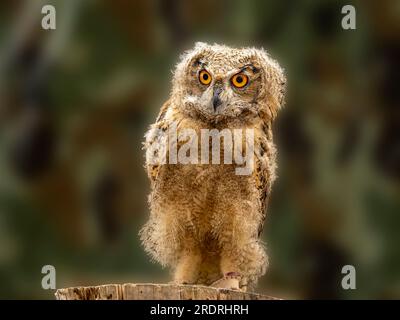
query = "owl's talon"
x=233 y=274
x=229 y=281
x=182 y=282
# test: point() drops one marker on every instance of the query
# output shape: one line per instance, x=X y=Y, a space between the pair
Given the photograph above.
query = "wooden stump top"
x=151 y=291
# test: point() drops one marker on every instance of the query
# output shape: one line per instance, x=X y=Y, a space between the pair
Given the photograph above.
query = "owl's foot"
x=229 y=281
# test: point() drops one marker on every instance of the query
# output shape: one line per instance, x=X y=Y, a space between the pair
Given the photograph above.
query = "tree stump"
x=150 y=291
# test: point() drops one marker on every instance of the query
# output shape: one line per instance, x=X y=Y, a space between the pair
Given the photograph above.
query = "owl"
x=206 y=219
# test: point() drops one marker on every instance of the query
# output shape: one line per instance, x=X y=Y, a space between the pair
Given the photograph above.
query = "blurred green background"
x=76 y=101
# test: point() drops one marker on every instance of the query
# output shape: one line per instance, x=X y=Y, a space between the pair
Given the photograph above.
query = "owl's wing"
x=155 y=143
x=264 y=170
x=261 y=176
x=163 y=111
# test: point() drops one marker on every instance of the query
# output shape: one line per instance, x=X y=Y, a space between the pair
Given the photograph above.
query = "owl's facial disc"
x=221 y=88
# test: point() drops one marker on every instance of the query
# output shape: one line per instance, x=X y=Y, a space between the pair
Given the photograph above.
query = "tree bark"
x=150 y=291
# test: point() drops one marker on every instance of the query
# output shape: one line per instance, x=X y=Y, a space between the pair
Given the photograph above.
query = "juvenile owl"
x=206 y=215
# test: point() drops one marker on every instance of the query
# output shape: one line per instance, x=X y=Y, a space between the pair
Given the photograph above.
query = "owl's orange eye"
x=239 y=80
x=204 y=77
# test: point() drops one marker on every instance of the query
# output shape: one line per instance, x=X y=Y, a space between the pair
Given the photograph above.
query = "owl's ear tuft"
x=192 y=55
x=274 y=88
x=200 y=45
x=189 y=59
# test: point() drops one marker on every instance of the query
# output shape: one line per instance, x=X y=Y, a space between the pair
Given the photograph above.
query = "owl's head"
x=218 y=83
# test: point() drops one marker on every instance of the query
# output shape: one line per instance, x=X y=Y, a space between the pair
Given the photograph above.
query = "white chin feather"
x=190 y=99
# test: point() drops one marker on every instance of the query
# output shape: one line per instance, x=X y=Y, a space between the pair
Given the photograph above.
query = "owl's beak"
x=216 y=99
